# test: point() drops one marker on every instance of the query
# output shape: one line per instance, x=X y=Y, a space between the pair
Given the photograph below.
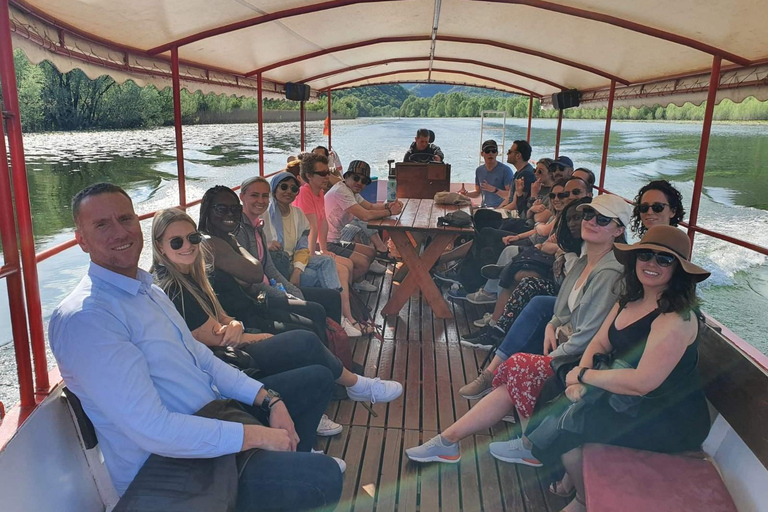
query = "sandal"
x=385 y=257
x=555 y=488
x=364 y=327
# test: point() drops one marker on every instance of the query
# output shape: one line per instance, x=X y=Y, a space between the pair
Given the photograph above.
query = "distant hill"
x=429 y=90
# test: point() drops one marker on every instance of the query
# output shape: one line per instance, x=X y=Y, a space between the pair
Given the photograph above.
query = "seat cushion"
x=638 y=481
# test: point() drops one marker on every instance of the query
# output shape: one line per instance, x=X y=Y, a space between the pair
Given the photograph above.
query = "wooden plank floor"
x=424 y=354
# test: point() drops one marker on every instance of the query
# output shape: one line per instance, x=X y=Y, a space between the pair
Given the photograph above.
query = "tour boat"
x=612 y=53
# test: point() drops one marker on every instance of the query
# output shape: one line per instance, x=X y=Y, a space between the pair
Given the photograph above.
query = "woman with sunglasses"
x=652 y=330
x=657 y=203
x=287 y=230
x=569 y=320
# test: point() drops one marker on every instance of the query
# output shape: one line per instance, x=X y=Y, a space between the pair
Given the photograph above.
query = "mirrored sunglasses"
x=600 y=219
x=656 y=207
x=223 y=209
x=177 y=242
x=364 y=179
x=285 y=186
x=663 y=259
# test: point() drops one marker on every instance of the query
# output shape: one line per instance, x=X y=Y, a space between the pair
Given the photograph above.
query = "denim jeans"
x=321 y=273
x=293 y=480
x=527 y=333
x=290 y=350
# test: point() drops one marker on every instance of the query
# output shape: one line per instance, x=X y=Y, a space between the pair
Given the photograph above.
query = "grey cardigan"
x=246 y=236
x=594 y=301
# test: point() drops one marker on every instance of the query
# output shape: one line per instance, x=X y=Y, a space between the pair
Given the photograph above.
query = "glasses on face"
x=177 y=242
x=322 y=173
x=558 y=195
x=490 y=151
x=656 y=207
x=600 y=219
x=357 y=179
x=233 y=209
x=663 y=259
x=285 y=186
x=565 y=195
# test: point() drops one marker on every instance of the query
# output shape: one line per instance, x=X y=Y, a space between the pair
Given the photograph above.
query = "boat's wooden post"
x=260 y=110
x=302 y=128
x=21 y=197
x=530 y=117
x=176 y=82
x=12 y=272
x=330 y=119
x=607 y=136
x=714 y=81
x=559 y=130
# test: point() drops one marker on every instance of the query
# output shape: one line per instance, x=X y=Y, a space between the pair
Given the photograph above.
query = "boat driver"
x=423 y=149
x=127 y=353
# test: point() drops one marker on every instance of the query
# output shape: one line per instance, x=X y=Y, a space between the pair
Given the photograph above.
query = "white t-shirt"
x=337 y=201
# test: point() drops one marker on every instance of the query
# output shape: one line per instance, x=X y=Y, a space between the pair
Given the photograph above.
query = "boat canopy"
x=656 y=51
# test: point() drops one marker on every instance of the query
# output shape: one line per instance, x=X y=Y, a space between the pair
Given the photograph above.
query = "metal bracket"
x=8 y=115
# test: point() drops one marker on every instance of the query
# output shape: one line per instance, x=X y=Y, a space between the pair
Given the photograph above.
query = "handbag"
x=282 y=262
x=532 y=259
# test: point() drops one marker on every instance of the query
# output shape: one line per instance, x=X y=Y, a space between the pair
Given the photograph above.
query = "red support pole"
x=530 y=117
x=714 y=82
x=330 y=119
x=177 y=125
x=607 y=136
x=302 y=115
x=14 y=284
x=260 y=109
x=21 y=196
x=559 y=130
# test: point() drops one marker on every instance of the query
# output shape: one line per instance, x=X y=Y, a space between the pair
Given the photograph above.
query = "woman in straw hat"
x=653 y=329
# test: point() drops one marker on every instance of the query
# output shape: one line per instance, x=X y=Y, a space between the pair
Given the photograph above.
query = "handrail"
x=8 y=270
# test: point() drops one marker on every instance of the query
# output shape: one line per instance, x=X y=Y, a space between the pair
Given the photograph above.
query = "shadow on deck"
x=424 y=354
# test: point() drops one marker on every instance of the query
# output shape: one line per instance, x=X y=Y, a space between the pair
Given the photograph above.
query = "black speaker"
x=566 y=99
x=297 y=92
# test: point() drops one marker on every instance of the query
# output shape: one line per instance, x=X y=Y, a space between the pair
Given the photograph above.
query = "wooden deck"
x=423 y=353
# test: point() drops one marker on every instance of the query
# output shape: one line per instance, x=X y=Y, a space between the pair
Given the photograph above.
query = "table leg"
x=418 y=275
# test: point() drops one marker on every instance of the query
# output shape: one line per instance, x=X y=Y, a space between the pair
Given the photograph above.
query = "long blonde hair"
x=172 y=280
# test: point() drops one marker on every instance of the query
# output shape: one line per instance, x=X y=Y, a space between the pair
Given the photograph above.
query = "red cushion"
x=638 y=481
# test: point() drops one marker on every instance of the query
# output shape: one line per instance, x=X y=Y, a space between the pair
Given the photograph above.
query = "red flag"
x=327 y=126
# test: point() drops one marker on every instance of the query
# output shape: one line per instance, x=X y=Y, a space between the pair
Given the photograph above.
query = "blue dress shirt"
x=125 y=351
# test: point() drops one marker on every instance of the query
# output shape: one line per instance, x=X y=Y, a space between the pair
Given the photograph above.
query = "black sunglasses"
x=490 y=151
x=177 y=242
x=365 y=179
x=656 y=207
x=602 y=220
x=321 y=173
x=285 y=186
x=223 y=209
x=663 y=259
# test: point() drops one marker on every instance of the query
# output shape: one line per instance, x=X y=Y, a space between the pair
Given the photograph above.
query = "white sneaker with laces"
x=364 y=286
x=350 y=329
x=377 y=391
x=482 y=322
x=328 y=427
x=340 y=462
x=377 y=268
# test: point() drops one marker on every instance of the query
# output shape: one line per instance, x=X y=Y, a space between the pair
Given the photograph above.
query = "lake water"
x=143 y=162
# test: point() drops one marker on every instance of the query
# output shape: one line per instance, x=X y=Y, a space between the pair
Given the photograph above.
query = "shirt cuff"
x=232 y=436
x=247 y=390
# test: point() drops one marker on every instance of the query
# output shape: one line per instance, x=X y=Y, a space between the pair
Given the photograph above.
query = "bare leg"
x=454 y=254
x=378 y=243
x=501 y=303
x=572 y=462
x=347 y=378
x=495 y=363
x=361 y=263
x=346 y=263
x=486 y=413
x=343 y=272
x=366 y=250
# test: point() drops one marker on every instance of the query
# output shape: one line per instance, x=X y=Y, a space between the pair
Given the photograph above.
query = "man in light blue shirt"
x=125 y=351
x=492 y=179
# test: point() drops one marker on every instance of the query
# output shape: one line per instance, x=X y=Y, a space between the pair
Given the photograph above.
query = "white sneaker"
x=328 y=427
x=364 y=286
x=378 y=391
x=350 y=329
x=377 y=268
x=340 y=462
x=482 y=322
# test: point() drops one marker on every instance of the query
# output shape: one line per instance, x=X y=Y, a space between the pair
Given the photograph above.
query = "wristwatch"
x=272 y=398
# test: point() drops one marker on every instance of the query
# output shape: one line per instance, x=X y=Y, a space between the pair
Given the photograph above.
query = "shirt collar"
x=125 y=283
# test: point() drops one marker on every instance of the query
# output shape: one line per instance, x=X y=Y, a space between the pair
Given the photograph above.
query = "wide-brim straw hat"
x=667 y=239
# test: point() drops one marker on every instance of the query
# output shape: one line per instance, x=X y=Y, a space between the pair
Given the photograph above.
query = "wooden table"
x=419 y=216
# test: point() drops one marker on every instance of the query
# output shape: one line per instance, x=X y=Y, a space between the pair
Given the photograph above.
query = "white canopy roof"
x=531 y=47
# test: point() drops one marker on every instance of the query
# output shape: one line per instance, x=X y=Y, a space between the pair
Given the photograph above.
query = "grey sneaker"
x=364 y=286
x=377 y=268
x=435 y=450
x=482 y=322
x=479 y=387
x=481 y=297
x=514 y=452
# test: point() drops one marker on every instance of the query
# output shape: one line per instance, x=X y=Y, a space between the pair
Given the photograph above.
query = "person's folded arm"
x=238 y=263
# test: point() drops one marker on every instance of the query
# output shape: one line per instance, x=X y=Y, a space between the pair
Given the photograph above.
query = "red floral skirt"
x=523 y=375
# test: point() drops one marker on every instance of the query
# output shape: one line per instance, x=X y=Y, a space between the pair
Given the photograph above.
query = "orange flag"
x=327 y=126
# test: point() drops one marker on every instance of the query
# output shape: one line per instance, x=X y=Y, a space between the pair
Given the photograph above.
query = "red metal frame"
x=21 y=196
x=437 y=59
x=177 y=127
x=530 y=118
x=629 y=25
x=260 y=110
x=436 y=70
x=302 y=123
x=559 y=131
x=607 y=136
x=451 y=39
x=698 y=183
x=330 y=118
